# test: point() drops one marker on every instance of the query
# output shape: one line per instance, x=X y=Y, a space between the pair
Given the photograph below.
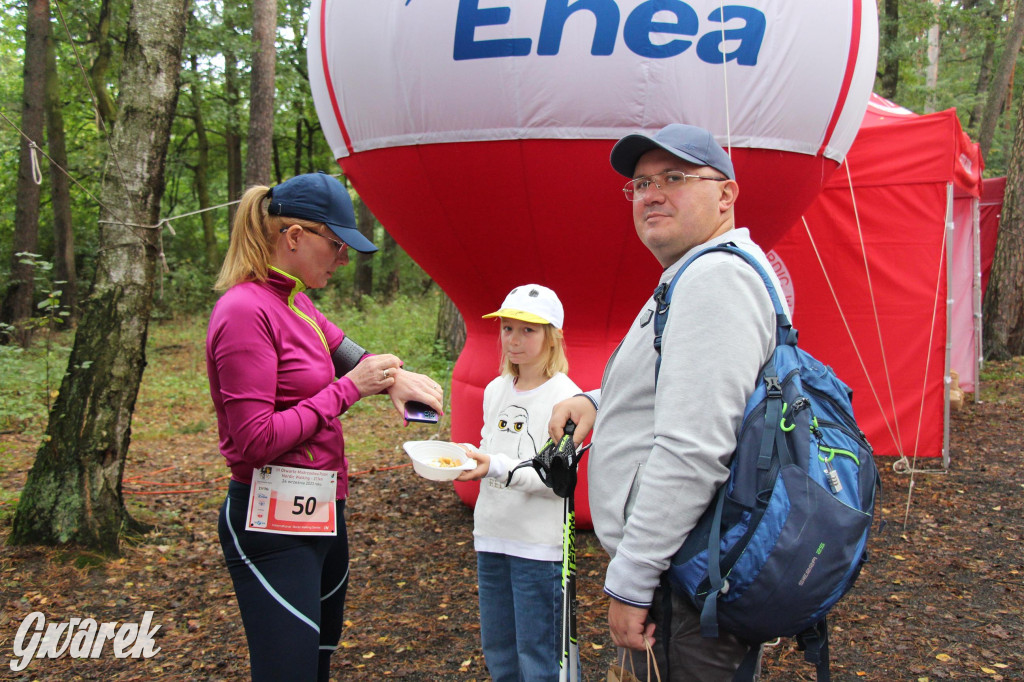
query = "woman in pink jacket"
x=280 y=375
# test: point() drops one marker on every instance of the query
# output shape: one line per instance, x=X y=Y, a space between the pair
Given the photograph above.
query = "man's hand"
x=580 y=410
x=629 y=626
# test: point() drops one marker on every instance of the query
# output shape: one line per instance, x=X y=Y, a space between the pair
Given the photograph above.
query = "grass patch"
x=404 y=327
x=29 y=380
x=1003 y=370
x=88 y=560
x=1000 y=382
x=8 y=504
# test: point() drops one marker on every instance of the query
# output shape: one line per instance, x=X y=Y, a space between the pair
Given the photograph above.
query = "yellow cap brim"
x=518 y=315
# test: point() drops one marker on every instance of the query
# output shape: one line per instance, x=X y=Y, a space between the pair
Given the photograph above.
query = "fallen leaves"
x=941 y=598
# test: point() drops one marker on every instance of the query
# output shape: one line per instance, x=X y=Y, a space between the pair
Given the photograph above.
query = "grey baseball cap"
x=687 y=142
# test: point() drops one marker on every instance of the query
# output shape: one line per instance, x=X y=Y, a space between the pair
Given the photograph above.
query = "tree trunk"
x=363 y=279
x=202 y=182
x=932 y=70
x=312 y=129
x=1000 y=85
x=18 y=301
x=390 y=277
x=73 y=492
x=232 y=135
x=1003 y=334
x=889 y=79
x=278 y=175
x=299 y=147
x=451 y=328
x=63 y=234
x=993 y=16
x=261 y=93
x=98 y=70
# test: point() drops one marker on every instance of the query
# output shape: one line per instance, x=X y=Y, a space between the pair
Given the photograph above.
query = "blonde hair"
x=556 y=361
x=253 y=237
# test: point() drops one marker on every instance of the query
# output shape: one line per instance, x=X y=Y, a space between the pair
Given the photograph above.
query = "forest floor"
x=941 y=597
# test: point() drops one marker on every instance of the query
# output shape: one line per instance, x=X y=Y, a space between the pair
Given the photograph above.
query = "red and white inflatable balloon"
x=478 y=132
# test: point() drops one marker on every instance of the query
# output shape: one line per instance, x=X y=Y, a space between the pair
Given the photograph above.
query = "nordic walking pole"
x=556 y=465
x=568 y=666
x=569 y=663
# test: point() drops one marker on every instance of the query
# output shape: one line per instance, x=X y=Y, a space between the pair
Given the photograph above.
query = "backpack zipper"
x=839 y=409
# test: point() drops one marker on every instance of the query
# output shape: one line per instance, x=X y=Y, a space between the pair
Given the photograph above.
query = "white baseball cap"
x=532 y=303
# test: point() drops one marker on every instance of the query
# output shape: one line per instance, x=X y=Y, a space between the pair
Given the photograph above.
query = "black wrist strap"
x=347 y=356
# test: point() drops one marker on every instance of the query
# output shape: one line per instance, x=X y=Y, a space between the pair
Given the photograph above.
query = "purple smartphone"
x=419 y=412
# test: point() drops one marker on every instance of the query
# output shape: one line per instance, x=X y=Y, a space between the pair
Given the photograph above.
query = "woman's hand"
x=375 y=374
x=483 y=464
x=414 y=386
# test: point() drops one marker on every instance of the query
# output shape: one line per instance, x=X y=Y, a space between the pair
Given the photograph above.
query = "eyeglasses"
x=637 y=188
x=338 y=244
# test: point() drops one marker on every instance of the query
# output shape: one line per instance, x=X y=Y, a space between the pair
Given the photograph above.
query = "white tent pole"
x=947 y=379
x=978 y=350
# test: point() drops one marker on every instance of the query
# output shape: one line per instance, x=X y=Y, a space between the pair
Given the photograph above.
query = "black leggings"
x=290 y=590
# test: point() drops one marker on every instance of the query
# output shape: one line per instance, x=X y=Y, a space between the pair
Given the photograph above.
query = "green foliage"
x=29 y=379
x=218 y=45
x=404 y=327
x=186 y=290
x=50 y=316
x=964 y=28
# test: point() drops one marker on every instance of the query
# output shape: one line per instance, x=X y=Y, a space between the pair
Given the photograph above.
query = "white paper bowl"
x=425 y=453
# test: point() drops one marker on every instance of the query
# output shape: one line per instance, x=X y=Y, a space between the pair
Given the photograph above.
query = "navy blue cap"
x=687 y=142
x=322 y=199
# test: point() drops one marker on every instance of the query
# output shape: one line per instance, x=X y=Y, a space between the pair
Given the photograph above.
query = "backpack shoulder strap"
x=663 y=298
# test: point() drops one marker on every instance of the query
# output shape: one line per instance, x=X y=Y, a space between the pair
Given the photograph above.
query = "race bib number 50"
x=292 y=501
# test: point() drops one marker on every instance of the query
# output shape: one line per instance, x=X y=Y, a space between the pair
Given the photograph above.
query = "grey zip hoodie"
x=660 y=454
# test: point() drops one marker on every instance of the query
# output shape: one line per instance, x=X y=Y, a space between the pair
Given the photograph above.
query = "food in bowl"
x=438 y=460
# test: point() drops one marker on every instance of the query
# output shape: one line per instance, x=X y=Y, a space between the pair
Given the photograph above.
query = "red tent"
x=883 y=274
x=990 y=210
x=974 y=250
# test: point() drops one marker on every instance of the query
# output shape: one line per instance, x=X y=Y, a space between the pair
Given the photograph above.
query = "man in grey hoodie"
x=661 y=451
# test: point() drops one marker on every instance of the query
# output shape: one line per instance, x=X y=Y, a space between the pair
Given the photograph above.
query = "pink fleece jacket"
x=268 y=356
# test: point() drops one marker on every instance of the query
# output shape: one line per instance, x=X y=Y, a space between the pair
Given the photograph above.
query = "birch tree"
x=73 y=493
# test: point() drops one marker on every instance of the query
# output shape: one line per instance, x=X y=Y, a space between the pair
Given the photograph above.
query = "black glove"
x=556 y=463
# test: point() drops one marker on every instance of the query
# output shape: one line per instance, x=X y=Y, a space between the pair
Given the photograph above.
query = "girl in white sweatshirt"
x=518 y=520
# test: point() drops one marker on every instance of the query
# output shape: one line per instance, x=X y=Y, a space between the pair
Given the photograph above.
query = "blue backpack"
x=786 y=535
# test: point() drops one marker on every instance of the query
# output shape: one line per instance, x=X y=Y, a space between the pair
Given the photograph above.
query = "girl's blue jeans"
x=520 y=617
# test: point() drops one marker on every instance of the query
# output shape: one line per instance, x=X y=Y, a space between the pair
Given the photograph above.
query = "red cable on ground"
x=132 y=478
x=213 y=480
x=138 y=480
x=375 y=469
x=173 y=492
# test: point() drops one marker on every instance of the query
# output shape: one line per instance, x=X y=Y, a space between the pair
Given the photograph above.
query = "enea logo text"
x=637 y=30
